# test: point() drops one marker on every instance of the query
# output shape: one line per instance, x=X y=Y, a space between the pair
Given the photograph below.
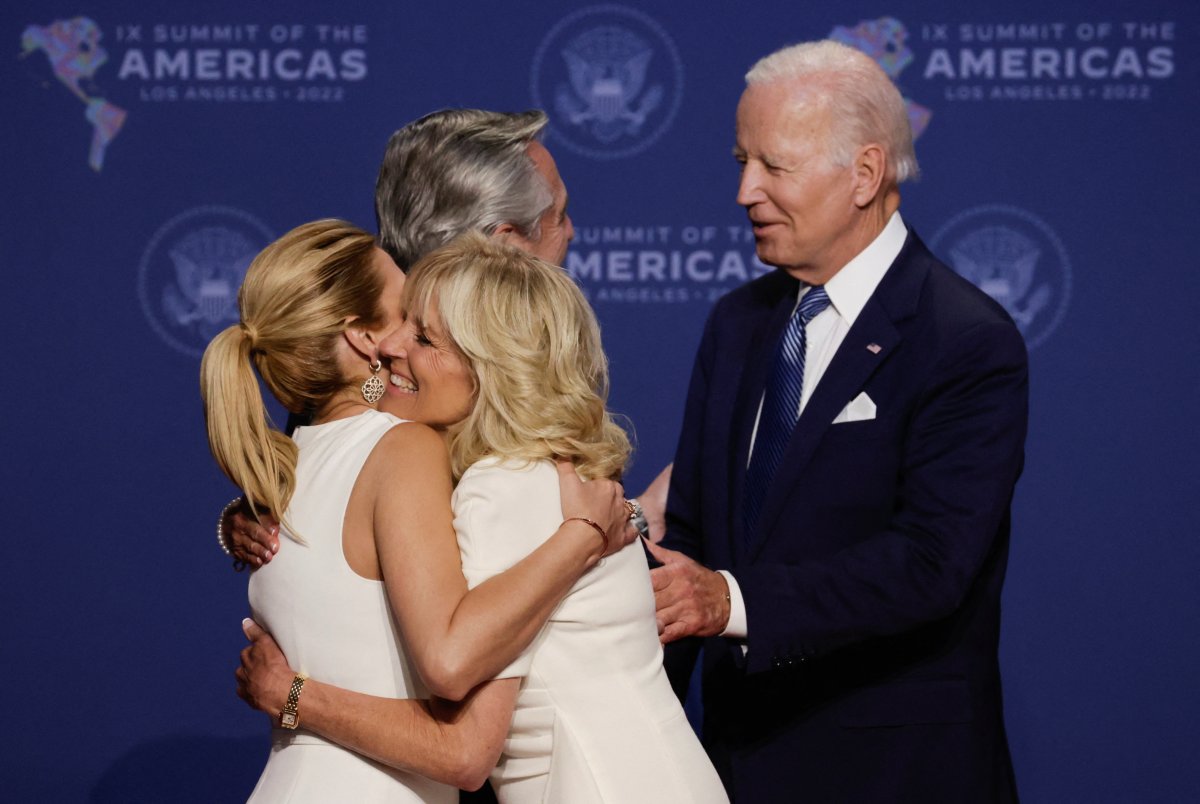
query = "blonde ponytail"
x=294 y=301
x=255 y=456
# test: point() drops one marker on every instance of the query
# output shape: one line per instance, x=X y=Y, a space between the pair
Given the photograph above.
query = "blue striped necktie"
x=780 y=407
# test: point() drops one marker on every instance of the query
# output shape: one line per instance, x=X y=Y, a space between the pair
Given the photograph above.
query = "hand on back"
x=251 y=541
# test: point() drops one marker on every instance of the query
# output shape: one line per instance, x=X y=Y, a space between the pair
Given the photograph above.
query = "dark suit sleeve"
x=685 y=510
x=685 y=499
x=961 y=454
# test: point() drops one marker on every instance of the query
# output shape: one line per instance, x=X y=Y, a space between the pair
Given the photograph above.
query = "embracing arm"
x=249 y=541
x=454 y=743
x=457 y=638
x=252 y=542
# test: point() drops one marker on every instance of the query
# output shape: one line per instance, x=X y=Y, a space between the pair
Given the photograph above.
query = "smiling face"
x=430 y=380
x=799 y=202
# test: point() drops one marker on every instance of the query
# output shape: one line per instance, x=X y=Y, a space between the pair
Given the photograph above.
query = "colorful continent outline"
x=73 y=50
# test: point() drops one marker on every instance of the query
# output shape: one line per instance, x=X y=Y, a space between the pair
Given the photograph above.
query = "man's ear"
x=360 y=339
x=510 y=235
x=870 y=166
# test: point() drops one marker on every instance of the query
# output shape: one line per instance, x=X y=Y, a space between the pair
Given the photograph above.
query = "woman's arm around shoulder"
x=458 y=639
x=453 y=743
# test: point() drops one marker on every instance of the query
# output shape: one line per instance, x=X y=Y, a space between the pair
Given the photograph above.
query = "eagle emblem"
x=606 y=67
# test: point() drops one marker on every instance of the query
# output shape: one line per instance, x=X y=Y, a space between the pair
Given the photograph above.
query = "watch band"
x=289 y=718
x=638 y=518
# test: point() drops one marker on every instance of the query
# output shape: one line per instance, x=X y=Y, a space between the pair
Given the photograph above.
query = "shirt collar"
x=850 y=287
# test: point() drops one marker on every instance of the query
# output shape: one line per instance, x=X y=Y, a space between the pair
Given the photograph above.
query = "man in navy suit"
x=838 y=519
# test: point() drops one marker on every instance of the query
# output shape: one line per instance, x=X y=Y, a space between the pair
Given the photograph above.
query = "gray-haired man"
x=461 y=170
x=450 y=172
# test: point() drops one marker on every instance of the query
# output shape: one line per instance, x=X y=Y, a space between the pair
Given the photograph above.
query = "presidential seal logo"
x=884 y=41
x=191 y=270
x=612 y=80
x=1014 y=257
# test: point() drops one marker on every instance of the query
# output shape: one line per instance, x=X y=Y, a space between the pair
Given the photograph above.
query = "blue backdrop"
x=150 y=149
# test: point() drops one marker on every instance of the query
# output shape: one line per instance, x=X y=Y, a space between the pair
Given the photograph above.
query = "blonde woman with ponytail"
x=502 y=353
x=372 y=594
x=295 y=303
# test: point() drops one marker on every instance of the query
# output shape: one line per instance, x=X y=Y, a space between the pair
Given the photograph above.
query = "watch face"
x=288 y=720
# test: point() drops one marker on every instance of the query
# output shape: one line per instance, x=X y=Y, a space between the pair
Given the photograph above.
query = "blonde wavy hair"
x=294 y=303
x=533 y=347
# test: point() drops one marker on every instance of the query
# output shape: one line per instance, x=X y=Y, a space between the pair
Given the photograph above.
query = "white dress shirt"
x=848 y=291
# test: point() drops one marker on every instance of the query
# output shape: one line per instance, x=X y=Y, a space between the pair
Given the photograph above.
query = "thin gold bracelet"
x=600 y=530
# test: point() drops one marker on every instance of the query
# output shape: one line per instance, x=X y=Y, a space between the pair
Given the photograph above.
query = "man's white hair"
x=865 y=105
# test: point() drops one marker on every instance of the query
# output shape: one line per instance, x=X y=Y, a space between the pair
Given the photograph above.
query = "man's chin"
x=780 y=262
x=767 y=254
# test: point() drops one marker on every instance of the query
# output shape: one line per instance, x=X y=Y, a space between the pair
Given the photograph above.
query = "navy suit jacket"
x=872 y=585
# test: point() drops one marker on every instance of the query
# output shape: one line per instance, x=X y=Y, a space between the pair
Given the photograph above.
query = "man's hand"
x=250 y=542
x=602 y=501
x=264 y=677
x=689 y=599
x=654 y=504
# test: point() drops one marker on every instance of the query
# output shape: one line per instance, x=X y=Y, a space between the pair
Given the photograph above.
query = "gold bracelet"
x=289 y=718
x=600 y=530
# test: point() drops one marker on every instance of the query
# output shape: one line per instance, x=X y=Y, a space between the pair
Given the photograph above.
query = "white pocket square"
x=860 y=409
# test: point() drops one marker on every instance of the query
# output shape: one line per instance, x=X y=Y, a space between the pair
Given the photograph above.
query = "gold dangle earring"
x=372 y=389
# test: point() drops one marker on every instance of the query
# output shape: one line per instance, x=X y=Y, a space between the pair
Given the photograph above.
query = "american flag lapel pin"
x=874 y=348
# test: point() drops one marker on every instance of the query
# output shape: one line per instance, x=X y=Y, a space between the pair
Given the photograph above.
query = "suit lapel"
x=846 y=375
x=894 y=299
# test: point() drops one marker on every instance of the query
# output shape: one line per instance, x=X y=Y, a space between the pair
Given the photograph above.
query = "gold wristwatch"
x=289 y=718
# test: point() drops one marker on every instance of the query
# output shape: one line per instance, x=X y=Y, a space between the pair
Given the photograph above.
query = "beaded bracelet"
x=221 y=540
x=238 y=564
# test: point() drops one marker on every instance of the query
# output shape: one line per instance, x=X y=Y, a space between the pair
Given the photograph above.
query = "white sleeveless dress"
x=335 y=626
x=596 y=720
